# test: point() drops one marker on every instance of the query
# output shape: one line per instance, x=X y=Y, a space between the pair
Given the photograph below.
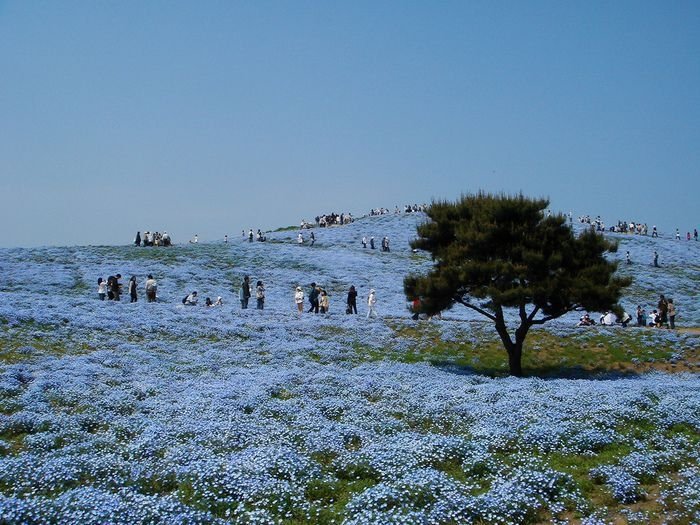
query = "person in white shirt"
x=151 y=288
x=101 y=288
x=371 y=301
x=299 y=299
x=191 y=300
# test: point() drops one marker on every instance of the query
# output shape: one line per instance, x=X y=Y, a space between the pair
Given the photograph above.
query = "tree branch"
x=523 y=315
x=475 y=308
x=545 y=319
x=533 y=313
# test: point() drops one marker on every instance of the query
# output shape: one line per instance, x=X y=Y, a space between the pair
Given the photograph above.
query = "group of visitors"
x=609 y=318
x=385 y=243
x=333 y=219
x=687 y=234
x=301 y=240
x=152 y=239
x=245 y=292
x=408 y=208
x=319 y=300
x=191 y=300
x=632 y=227
x=663 y=316
x=258 y=236
x=111 y=288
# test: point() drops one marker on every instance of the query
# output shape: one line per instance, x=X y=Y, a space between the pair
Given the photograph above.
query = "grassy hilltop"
x=159 y=413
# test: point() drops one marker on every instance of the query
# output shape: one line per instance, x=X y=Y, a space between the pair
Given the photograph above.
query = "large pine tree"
x=493 y=252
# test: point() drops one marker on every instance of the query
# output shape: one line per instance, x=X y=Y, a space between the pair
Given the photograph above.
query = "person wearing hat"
x=299 y=299
x=371 y=301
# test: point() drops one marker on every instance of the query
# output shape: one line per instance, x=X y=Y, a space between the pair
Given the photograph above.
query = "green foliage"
x=495 y=252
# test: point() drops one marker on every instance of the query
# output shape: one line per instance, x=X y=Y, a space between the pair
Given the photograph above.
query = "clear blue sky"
x=211 y=117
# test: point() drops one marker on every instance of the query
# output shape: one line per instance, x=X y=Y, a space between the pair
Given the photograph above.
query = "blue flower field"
x=112 y=412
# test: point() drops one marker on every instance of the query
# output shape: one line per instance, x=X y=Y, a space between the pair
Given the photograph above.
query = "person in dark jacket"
x=137 y=241
x=132 y=289
x=114 y=287
x=245 y=291
x=110 y=287
x=260 y=294
x=352 y=301
x=313 y=298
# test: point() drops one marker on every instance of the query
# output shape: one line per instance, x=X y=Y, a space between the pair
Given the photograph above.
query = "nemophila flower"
x=121 y=413
x=624 y=486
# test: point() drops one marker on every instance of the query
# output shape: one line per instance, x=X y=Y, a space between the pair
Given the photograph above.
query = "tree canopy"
x=493 y=252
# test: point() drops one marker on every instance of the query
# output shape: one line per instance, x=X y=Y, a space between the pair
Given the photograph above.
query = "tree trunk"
x=514 y=348
x=515 y=354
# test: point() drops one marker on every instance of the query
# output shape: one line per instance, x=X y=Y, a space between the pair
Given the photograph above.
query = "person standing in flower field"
x=260 y=294
x=671 y=313
x=324 y=302
x=244 y=294
x=132 y=289
x=352 y=301
x=101 y=288
x=313 y=298
x=663 y=311
x=151 y=288
x=371 y=302
x=299 y=299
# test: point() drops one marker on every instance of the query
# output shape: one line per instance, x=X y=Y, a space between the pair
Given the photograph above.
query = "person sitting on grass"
x=586 y=321
x=654 y=319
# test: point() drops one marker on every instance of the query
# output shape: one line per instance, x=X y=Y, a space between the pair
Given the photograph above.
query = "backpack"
x=184 y=299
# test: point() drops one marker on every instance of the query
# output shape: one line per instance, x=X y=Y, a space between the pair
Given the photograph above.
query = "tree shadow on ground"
x=545 y=372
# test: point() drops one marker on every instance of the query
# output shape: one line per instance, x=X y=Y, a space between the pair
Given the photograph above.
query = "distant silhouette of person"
x=260 y=294
x=352 y=301
x=244 y=294
x=132 y=289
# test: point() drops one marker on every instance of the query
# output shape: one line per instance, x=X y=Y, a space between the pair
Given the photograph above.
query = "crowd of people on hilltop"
x=408 y=208
x=637 y=228
x=631 y=227
x=152 y=239
x=333 y=219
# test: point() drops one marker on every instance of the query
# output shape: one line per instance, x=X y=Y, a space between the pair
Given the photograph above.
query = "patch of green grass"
x=591 y=352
